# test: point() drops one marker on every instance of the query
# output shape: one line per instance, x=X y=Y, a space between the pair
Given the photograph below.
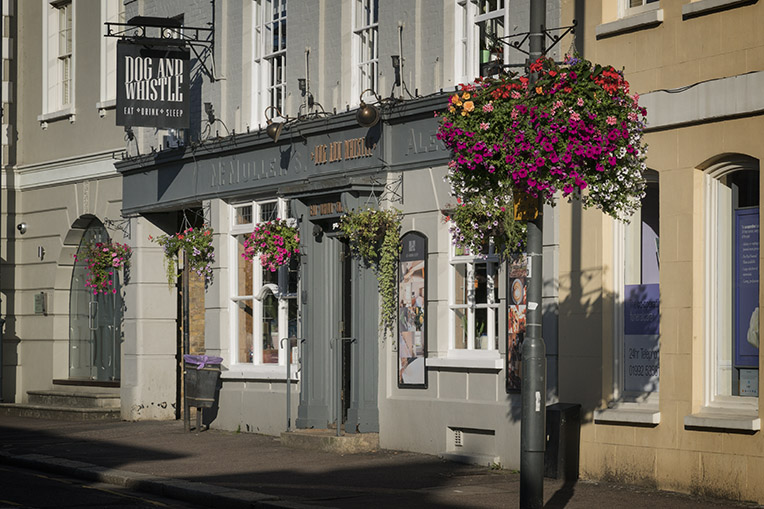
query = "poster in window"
x=152 y=86
x=516 y=313
x=641 y=338
x=412 y=322
x=747 y=288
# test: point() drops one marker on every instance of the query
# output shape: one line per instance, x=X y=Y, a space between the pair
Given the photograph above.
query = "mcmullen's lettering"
x=144 y=82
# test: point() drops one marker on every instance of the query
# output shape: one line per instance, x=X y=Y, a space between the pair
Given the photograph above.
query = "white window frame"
x=713 y=238
x=257 y=367
x=625 y=10
x=369 y=29
x=492 y=305
x=53 y=104
x=264 y=81
x=112 y=11
x=467 y=38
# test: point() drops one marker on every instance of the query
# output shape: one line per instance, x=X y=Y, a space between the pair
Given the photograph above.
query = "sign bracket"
x=168 y=32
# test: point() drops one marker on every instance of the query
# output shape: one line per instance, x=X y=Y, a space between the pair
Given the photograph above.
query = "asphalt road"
x=22 y=488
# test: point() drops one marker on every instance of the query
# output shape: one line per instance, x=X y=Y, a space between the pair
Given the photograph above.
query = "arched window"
x=636 y=323
x=731 y=311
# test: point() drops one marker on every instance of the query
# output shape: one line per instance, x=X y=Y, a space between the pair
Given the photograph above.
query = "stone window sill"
x=644 y=415
x=246 y=372
x=703 y=7
x=718 y=419
x=66 y=113
x=645 y=19
x=465 y=363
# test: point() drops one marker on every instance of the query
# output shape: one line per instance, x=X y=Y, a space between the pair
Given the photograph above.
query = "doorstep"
x=327 y=440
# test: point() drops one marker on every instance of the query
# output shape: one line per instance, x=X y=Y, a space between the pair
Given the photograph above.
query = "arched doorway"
x=95 y=321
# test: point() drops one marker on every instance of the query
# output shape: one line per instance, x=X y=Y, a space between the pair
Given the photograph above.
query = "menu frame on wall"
x=412 y=312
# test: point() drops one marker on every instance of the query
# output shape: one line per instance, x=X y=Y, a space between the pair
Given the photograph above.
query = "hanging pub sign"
x=412 y=323
x=517 y=276
x=152 y=86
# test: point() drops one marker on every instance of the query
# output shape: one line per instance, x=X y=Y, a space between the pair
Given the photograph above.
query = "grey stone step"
x=58 y=413
x=74 y=399
x=328 y=441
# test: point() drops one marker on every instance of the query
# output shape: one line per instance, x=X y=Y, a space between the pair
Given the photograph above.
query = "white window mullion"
x=471 y=306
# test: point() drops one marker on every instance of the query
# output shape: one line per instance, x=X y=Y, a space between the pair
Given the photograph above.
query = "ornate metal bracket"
x=167 y=32
x=391 y=191
x=122 y=224
x=548 y=32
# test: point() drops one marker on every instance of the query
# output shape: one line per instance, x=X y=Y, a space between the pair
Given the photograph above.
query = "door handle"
x=92 y=310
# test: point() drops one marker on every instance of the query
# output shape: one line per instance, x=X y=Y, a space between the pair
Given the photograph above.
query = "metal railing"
x=288 y=350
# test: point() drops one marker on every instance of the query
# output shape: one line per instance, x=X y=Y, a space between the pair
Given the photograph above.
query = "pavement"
x=247 y=470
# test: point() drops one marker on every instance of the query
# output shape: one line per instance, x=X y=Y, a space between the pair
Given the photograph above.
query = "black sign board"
x=412 y=323
x=152 y=86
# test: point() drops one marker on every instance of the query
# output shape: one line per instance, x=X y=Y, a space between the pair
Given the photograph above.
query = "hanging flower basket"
x=274 y=243
x=576 y=132
x=196 y=244
x=374 y=237
x=103 y=260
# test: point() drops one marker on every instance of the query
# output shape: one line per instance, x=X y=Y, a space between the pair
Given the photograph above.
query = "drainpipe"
x=2 y=320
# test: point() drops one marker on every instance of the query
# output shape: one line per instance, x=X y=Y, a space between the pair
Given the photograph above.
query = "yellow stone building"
x=692 y=421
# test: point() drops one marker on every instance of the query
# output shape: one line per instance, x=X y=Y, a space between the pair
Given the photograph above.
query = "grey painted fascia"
x=255 y=140
x=731 y=97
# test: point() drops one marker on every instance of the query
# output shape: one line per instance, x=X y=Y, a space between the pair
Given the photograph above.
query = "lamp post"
x=533 y=383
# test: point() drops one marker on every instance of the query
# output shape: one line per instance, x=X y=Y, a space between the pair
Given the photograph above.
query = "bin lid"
x=201 y=360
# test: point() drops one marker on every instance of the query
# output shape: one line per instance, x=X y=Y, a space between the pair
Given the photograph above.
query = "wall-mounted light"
x=41 y=253
x=273 y=129
x=210 y=111
x=22 y=228
x=367 y=115
x=397 y=67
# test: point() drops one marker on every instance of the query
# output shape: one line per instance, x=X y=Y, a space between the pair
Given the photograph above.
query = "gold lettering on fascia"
x=325 y=209
x=346 y=150
x=234 y=171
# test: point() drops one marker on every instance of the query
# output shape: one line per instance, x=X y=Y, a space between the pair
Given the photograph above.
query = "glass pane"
x=244 y=272
x=292 y=318
x=481 y=283
x=243 y=215
x=270 y=277
x=460 y=284
x=481 y=329
x=491 y=46
x=486 y=6
x=294 y=267
x=270 y=330
x=269 y=211
x=460 y=329
x=244 y=336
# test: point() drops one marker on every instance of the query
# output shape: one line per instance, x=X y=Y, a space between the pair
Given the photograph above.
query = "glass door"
x=94 y=320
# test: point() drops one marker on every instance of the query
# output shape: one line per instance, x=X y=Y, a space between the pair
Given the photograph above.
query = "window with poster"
x=732 y=283
x=517 y=276
x=412 y=311
x=636 y=320
x=264 y=304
